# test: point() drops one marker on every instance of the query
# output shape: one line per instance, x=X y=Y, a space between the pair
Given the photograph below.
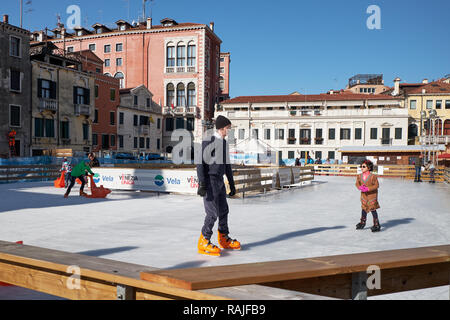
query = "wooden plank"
x=255 y=273
x=253 y=188
x=252 y=180
x=44 y=263
x=391 y=281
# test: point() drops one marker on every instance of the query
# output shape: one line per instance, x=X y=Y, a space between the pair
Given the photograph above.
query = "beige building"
x=423 y=99
x=139 y=122
x=62 y=102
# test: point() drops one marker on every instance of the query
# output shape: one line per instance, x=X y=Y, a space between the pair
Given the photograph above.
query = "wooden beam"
x=47 y=271
x=257 y=273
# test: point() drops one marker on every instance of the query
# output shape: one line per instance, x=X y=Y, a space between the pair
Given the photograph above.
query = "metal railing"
x=48 y=104
x=82 y=109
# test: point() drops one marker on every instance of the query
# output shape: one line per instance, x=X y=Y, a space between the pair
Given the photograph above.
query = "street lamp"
x=423 y=115
x=433 y=117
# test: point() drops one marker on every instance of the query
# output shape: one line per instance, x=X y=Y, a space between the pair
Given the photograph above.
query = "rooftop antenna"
x=144 y=16
x=128 y=9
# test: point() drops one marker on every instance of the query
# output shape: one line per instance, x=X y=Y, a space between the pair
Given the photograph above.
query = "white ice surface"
x=162 y=231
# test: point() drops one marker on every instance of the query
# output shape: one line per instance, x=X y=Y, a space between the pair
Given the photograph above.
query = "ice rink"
x=162 y=231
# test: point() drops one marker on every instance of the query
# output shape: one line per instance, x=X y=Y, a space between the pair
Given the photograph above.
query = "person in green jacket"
x=78 y=171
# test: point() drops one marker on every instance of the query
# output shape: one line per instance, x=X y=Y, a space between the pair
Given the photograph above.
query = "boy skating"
x=216 y=163
x=78 y=171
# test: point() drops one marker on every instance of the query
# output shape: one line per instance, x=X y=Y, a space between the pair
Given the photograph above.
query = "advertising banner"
x=181 y=181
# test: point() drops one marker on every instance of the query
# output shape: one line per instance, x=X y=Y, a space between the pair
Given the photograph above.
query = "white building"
x=139 y=123
x=317 y=125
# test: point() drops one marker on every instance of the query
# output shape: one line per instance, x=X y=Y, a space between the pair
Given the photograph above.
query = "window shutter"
x=52 y=90
x=74 y=95
x=39 y=88
x=87 y=96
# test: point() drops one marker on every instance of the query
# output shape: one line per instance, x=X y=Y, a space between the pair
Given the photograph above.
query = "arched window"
x=191 y=95
x=119 y=75
x=170 y=95
x=412 y=131
x=181 y=54
x=108 y=74
x=181 y=95
x=170 y=55
x=191 y=55
x=447 y=127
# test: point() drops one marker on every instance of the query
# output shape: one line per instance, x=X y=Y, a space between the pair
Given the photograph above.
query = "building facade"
x=422 y=100
x=177 y=62
x=224 y=79
x=15 y=90
x=317 y=125
x=62 y=101
x=139 y=122
x=107 y=100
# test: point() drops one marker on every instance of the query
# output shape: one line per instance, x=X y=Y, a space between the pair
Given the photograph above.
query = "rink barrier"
x=264 y=179
x=29 y=172
x=348 y=276
x=397 y=171
x=81 y=277
x=447 y=175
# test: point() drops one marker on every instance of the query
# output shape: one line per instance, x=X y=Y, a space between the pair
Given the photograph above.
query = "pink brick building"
x=178 y=62
x=224 y=77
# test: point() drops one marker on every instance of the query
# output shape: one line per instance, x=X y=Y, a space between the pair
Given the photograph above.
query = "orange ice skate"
x=206 y=247
x=225 y=242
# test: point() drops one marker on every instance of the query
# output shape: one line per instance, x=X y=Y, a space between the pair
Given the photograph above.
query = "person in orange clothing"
x=367 y=183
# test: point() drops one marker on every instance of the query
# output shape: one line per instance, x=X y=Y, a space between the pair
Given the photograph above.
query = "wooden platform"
x=401 y=270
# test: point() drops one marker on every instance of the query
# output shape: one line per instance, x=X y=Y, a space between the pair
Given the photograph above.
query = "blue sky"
x=278 y=47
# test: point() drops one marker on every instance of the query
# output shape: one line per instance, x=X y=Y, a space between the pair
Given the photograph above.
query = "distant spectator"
x=93 y=161
x=418 y=166
x=310 y=160
x=327 y=161
x=318 y=161
x=297 y=162
x=430 y=167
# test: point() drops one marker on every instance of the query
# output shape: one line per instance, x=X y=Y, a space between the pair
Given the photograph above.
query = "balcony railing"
x=170 y=69
x=386 y=141
x=48 y=104
x=181 y=69
x=437 y=139
x=318 y=140
x=82 y=109
x=65 y=140
x=180 y=110
x=190 y=69
x=144 y=129
x=291 y=140
x=305 y=141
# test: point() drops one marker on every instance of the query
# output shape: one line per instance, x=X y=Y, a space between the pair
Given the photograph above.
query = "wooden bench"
x=49 y=271
x=341 y=276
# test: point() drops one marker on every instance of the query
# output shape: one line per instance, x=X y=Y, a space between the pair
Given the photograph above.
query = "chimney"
x=425 y=81
x=331 y=91
x=396 y=86
x=149 y=23
x=211 y=26
x=5 y=18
